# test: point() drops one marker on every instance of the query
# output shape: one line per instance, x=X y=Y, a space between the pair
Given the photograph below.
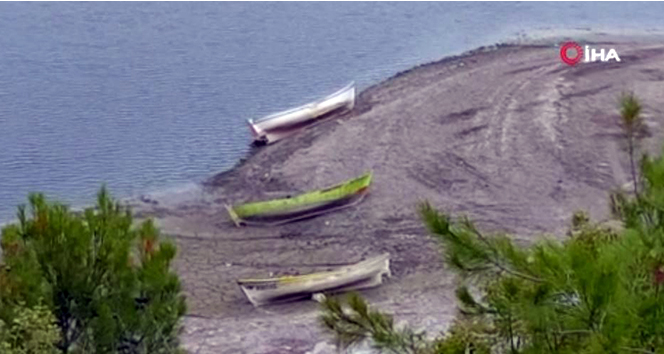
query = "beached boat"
x=278 y=125
x=366 y=274
x=279 y=211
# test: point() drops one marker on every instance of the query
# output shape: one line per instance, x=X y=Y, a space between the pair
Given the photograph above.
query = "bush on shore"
x=105 y=284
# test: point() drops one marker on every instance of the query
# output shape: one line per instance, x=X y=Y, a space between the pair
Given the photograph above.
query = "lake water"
x=153 y=96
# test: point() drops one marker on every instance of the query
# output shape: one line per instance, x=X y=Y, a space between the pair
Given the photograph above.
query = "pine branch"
x=497 y=264
x=356 y=323
x=440 y=226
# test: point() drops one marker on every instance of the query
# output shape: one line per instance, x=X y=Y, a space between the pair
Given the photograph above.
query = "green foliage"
x=630 y=110
x=632 y=124
x=598 y=291
x=108 y=284
x=33 y=331
x=352 y=322
x=356 y=322
x=466 y=336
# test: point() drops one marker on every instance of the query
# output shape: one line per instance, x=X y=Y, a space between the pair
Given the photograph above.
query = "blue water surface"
x=150 y=96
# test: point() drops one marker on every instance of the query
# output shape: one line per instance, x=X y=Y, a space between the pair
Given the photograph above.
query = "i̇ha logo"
x=588 y=54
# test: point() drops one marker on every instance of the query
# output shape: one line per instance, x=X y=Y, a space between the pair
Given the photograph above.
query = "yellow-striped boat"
x=362 y=275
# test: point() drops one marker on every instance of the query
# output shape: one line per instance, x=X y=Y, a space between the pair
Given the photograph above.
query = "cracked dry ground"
x=509 y=136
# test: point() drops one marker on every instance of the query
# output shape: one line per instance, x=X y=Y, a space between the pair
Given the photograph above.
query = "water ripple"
x=149 y=96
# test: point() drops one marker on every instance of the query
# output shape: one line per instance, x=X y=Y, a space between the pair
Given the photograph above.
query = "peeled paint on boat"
x=362 y=275
x=305 y=205
x=275 y=126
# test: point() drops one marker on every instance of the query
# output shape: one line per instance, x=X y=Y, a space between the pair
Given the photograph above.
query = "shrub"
x=108 y=284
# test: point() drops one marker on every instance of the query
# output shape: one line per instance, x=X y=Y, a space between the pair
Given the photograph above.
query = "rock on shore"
x=508 y=135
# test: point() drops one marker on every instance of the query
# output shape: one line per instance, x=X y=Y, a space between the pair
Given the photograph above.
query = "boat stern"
x=351 y=101
x=249 y=294
x=234 y=217
x=365 y=182
x=257 y=133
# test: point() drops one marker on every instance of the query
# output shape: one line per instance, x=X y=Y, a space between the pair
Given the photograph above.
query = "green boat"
x=280 y=211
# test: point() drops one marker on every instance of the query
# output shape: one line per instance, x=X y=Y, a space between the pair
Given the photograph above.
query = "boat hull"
x=279 y=125
x=362 y=275
x=307 y=205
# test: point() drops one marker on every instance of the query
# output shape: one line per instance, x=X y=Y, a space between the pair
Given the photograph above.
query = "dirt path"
x=510 y=136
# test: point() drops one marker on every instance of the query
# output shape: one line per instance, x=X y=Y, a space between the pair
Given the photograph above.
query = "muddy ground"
x=508 y=135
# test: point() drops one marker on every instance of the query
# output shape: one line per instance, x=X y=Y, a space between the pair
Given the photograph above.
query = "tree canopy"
x=107 y=282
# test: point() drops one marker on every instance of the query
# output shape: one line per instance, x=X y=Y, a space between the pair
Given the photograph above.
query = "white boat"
x=278 y=125
x=362 y=275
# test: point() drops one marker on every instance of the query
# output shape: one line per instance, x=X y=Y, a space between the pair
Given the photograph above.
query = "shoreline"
x=505 y=134
x=509 y=136
x=539 y=38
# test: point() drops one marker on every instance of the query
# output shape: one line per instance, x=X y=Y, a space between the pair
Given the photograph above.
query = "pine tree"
x=108 y=284
x=632 y=124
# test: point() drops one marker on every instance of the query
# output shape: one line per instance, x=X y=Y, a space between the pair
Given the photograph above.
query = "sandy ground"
x=508 y=135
